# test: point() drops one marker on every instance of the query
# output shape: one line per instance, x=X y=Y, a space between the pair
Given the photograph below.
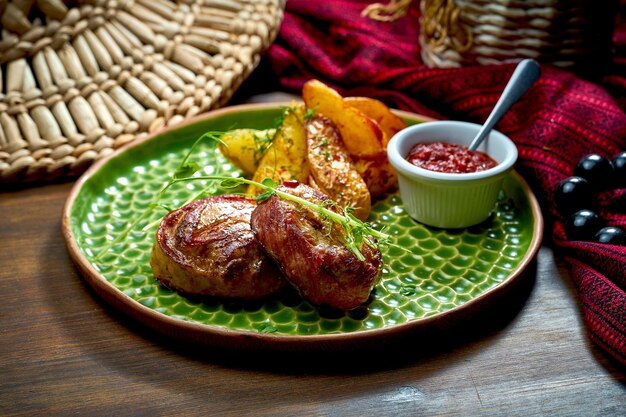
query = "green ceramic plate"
x=446 y=272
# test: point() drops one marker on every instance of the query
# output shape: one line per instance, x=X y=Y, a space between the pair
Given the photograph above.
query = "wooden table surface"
x=65 y=352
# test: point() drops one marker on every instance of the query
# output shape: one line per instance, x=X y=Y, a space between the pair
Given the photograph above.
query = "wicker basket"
x=83 y=78
x=572 y=34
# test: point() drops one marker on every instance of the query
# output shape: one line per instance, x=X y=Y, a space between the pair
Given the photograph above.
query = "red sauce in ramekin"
x=449 y=158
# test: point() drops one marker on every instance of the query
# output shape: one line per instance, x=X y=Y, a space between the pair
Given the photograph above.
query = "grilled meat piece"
x=207 y=247
x=311 y=251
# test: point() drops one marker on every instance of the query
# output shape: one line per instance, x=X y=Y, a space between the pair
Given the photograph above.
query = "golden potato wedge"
x=361 y=135
x=332 y=169
x=378 y=111
x=245 y=147
x=377 y=173
x=286 y=158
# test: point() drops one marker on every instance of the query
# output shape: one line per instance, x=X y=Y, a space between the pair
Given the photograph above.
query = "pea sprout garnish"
x=357 y=232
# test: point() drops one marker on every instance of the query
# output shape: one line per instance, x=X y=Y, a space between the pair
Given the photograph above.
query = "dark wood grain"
x=63 y=351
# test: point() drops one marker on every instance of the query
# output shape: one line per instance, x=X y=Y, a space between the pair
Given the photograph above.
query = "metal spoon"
x=524 y=76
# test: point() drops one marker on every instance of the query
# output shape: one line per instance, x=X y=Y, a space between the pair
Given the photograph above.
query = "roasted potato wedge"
x=361 y=135
x=377 y=173
x=286 y=158
x=245 y=147
x=376 y=170
x=332 y=169
x=378 y=111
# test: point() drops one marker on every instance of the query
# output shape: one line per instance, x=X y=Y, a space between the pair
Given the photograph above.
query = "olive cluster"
x=575 y=197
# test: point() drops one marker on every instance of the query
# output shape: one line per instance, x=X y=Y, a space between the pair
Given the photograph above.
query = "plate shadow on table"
x=475 y=329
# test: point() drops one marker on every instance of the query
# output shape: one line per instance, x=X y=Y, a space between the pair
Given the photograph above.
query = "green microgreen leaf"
x=271 y=185
x=186 y=170
x=269 y=182
x=229 y=183
x=308 y=115
x=264 y=196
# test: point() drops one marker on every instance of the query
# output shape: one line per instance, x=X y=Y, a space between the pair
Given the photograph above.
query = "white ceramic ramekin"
x=449 y=200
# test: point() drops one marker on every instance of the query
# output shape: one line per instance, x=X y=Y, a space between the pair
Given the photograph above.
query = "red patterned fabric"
x=561 y=119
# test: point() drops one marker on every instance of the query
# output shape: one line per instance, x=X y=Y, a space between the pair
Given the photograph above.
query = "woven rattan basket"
x=80 y=79
x=572 y=34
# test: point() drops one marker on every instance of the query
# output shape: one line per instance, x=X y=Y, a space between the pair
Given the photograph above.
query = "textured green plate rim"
x=435 y=277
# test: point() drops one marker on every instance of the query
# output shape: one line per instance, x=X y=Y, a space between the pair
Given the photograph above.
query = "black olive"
x=582 y=225
x=611 y=235
x=573 y=194
x=596 y=169
x=619 y=169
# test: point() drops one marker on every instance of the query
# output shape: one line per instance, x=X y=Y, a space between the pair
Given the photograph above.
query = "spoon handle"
x=524 y=76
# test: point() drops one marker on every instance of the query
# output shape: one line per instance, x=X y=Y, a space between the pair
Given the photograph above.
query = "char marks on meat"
x=207 y=247
x=310 y=250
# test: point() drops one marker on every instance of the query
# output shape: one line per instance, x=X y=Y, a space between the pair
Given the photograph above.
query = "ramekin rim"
x=399 y=162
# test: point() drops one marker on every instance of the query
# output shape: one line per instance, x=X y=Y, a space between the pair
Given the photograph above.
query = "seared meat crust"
x=207 y=248
x=310 y=251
